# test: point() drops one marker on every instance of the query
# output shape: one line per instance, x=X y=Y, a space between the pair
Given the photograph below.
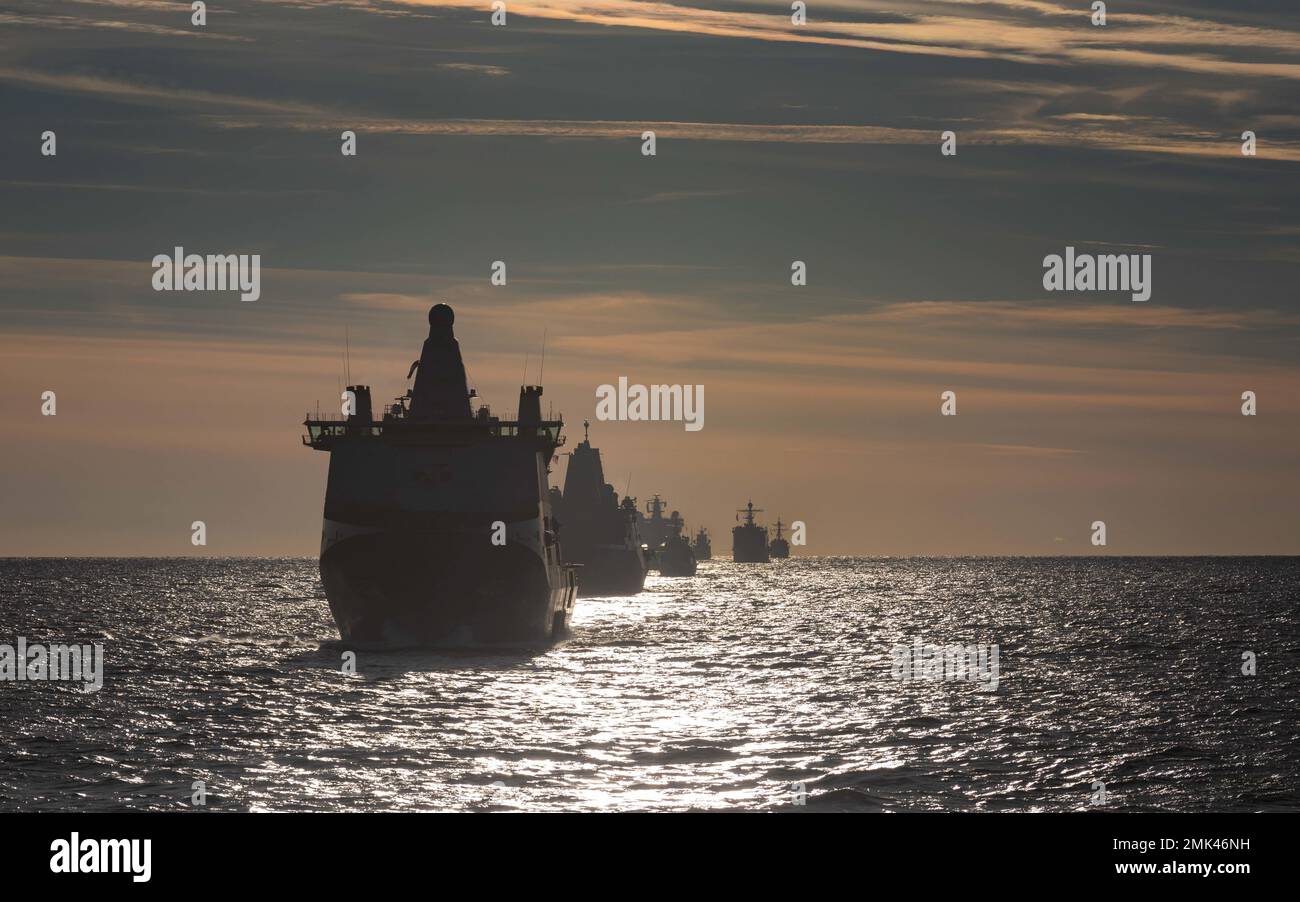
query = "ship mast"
x=655 y=507
x=749 y=510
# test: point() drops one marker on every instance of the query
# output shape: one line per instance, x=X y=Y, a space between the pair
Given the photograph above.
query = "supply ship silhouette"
x=438 y=529
x=599 y=533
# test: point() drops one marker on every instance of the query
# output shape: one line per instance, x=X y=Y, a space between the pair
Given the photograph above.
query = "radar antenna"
x=749 y=510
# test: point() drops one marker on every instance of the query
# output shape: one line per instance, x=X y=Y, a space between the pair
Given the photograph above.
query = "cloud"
x=1155 y=140
x=1025 y=450
x=476 y=69
x=140 y=92
x=1026 y=32
x=669 y=197
x=1031 y=108
x=77 y=23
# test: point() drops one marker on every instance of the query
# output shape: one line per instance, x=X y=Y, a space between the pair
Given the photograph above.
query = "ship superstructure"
x=438 y=529
x=749 y=540
x=655 y=528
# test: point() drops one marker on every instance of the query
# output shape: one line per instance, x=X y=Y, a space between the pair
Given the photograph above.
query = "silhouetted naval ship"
x=599 y=534
x=676 y=558
x=749 y=540
x=779 y=548
x=438 y=530
x=672 y=552
x=702 y=547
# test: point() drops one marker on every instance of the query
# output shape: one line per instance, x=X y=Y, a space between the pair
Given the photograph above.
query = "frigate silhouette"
x=749 y=540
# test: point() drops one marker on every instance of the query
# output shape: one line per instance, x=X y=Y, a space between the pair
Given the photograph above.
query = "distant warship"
x=749 y=540
x=599 y=534
x=701 y=546
x=676 y=557
x=438 y=529
x=654 y=528
x=779 y=548
x=672 y=551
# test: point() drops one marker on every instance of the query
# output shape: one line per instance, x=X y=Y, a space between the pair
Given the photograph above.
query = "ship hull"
x=611 y=571
x=678 y=568
x=749 y=545
x=443 y=546
x=676 y=561
x=391 y=589
x=780 y=549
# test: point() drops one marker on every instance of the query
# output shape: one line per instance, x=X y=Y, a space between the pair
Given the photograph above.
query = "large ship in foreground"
x=749 y=540
x=599 y=534
x=438 y=530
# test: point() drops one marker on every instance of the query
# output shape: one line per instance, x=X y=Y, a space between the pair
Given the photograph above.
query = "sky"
x=775 y=143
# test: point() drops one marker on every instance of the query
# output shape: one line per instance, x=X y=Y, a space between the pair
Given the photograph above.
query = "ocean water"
x=747 y=687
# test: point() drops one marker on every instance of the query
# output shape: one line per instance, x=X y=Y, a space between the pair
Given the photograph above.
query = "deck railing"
x=324 y=431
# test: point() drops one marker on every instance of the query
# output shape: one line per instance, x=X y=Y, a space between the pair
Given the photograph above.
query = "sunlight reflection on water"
x=740 y=688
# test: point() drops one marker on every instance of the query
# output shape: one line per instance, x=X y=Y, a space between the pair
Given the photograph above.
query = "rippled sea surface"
x=748 y=686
